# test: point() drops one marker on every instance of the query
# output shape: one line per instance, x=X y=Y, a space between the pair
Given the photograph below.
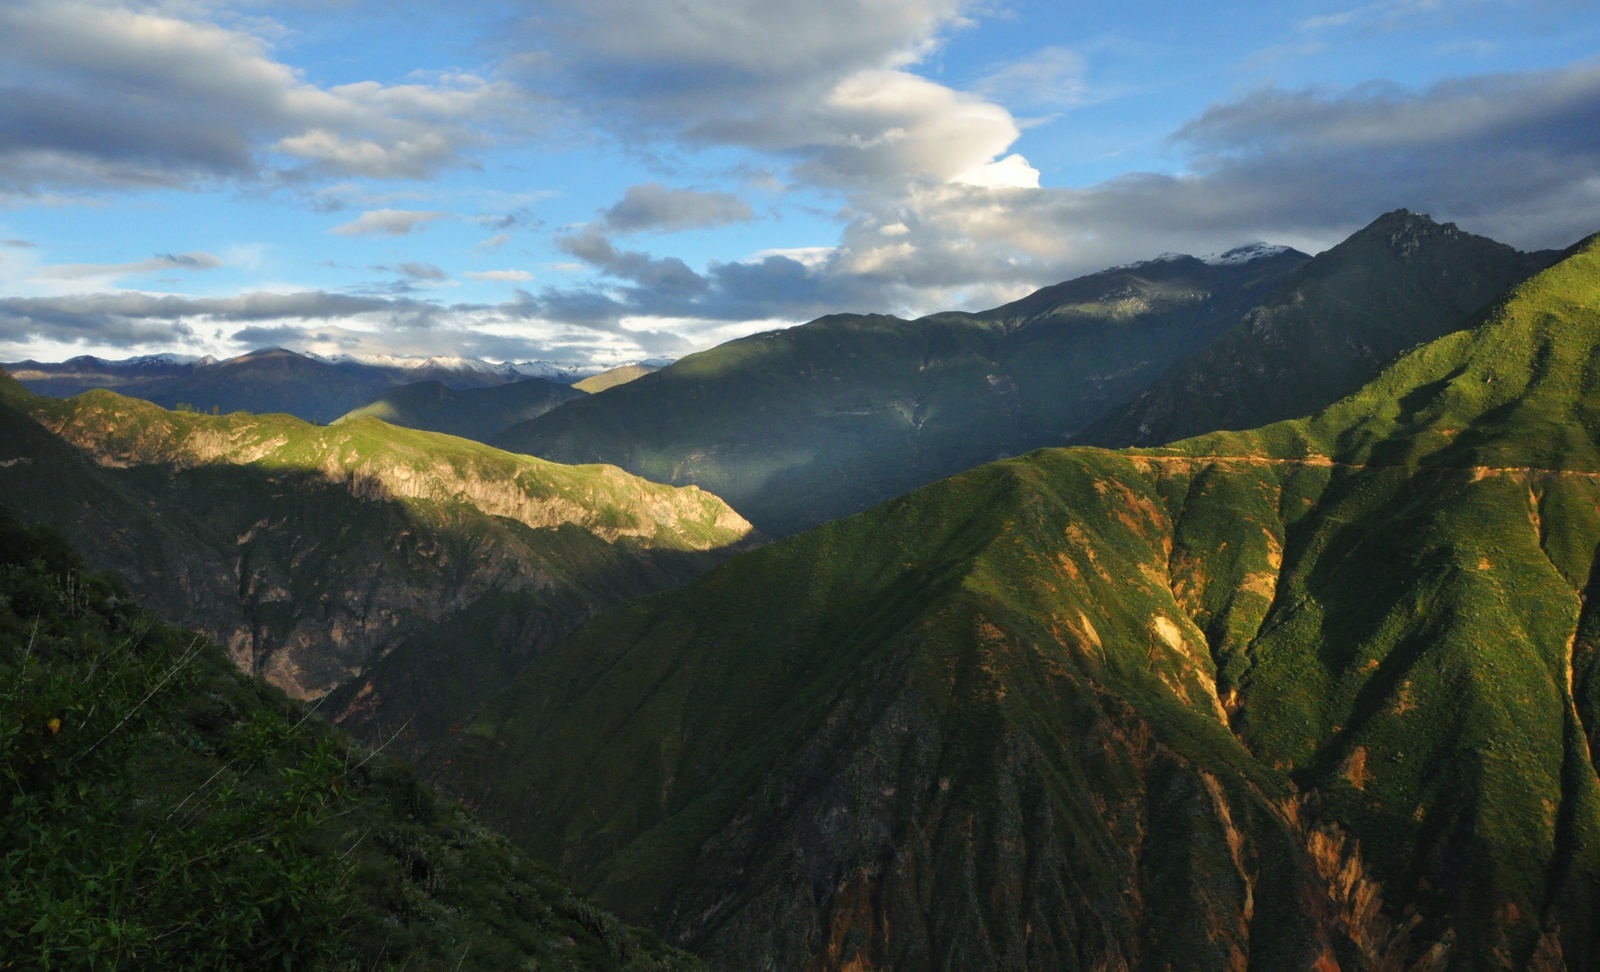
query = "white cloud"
x=826 y=85
x=160 y=262
x=1011 y=172
x=106 y=95
x=386 y=222
x=498 y=276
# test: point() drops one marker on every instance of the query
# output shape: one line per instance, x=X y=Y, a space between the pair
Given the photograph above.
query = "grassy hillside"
x=1321 y=695
x=1329 y=328
x=409 y=572
x=595 y=384
x=478 y=413
x=159 y=810
x=803 y=425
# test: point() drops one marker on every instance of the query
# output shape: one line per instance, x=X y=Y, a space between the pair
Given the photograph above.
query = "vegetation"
x=1319 y=694
x=803 y=425
x=613 y=377
x=800 y=426
x=1326 y=330
x=475 y=413
x=159 y=810
x=410 y=572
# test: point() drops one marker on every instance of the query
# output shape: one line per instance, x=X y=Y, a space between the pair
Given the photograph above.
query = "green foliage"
x=807 y=424
x=1323 y=688
x=101 y=868
x=432 y=565
x=158 y=810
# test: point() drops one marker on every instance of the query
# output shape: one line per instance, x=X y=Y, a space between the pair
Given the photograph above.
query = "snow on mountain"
x=1237 y=256
x=1244 y=254
x=564 y=372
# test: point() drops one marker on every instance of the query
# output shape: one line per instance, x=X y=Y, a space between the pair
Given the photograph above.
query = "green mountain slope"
x=1328 y=329
x=614 y=377
x=160 y=810
x=410 y=573
x=1323 y=695
x=477 y=413
x=803 y=425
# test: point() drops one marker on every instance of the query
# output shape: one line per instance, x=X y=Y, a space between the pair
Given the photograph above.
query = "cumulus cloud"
x=652 y=206
x=386 y=222
x=827 y=83
x=159 y=262
x=102 y=95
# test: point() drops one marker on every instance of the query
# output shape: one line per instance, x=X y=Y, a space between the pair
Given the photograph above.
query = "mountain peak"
x=1403 y=231
x=1248 y=253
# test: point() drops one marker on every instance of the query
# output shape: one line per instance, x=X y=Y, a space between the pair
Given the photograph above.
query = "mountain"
x=615 y=377
x=810 y=423
x=456 y=372
x=151 y=372
x=1321 y=695
x=273 y=380
x=311 y=387
x=1328 y=329
x=475 y=413
x=409 y=574
x=797 y=427
x=163 y=811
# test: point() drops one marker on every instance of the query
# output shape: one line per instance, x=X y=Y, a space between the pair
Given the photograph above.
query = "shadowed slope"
x=807 y=424
x=163 y=811
x=419 y=571
x=1329 y=328
x=478 y=413
x=1320 y=695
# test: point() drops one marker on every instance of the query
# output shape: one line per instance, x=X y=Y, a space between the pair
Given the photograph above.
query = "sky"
x=603 y=181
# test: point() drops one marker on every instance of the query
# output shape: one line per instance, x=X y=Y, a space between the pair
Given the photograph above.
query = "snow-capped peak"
x=1168 y=257
x=1244 y=254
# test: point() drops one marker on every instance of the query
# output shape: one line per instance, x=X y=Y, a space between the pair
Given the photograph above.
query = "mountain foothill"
x=1227 y=613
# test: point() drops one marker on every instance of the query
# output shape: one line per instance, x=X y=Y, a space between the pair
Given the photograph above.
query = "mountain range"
x=1319 y=695
x=1294 y=692
x=797 y=427
x=315 y=388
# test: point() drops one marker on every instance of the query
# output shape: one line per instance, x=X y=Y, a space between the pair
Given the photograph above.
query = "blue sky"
x=608 y=180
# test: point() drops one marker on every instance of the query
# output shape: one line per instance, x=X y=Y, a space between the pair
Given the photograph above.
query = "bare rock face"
x=403 y=575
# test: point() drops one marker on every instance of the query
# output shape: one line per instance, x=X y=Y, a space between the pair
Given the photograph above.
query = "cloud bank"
x=95 y=96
